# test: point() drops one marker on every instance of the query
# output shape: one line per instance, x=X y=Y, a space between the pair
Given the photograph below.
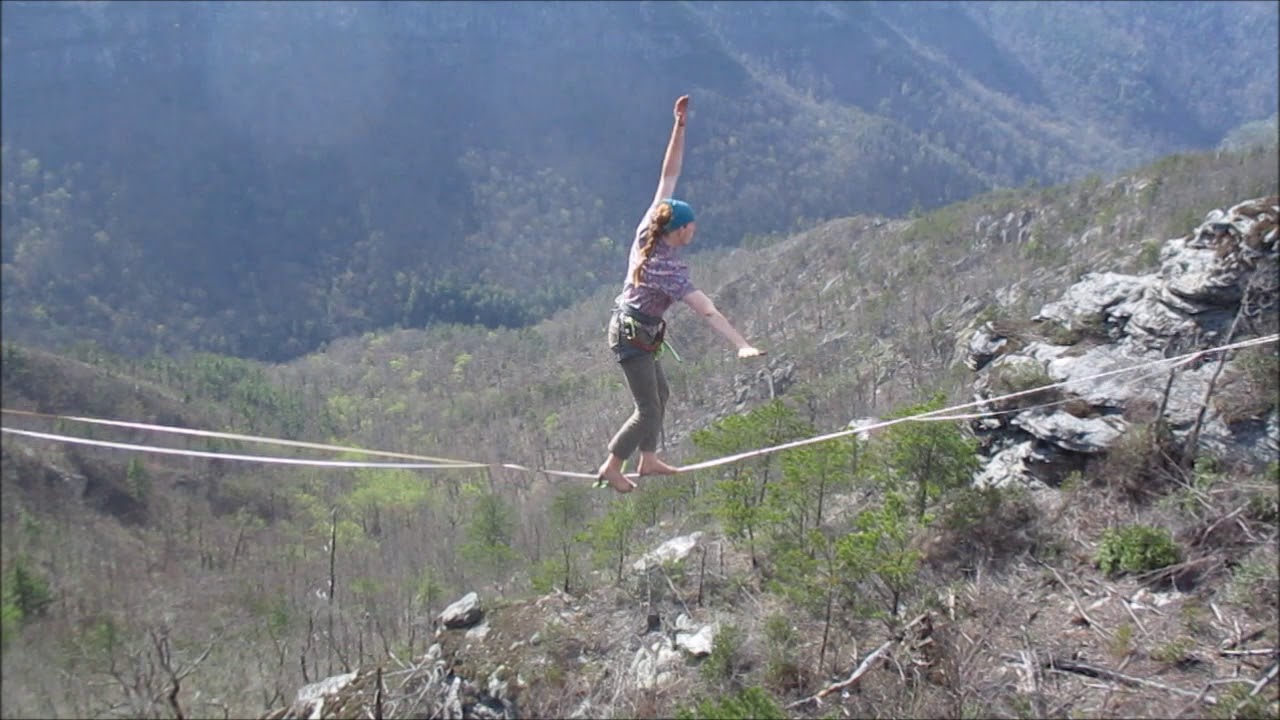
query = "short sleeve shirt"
x=666 y=276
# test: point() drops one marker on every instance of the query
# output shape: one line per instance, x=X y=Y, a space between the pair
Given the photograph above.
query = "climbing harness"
x=646 y=336
x=644 y=332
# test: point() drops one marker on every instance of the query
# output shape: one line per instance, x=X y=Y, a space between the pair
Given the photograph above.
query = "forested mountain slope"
x=258 y=179
x=207 y=587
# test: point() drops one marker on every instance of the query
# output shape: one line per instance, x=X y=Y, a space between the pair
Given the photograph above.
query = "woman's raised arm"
x=675 y=153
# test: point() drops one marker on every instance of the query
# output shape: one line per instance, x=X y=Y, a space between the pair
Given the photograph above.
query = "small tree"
x=568 y=509
x=813 y=577
x=137 y=480
x=25 y=597
x=488 y=544
x=932 y=456
x=721 y=664
x=797 y=503
x=738 y=498
x=750 y=703
x=610 y=536
x=880 y=549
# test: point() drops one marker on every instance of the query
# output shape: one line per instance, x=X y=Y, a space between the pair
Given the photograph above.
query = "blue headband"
x=681 y=214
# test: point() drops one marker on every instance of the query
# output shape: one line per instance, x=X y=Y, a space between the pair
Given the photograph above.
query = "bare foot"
x=657 y=467
x=617 y=480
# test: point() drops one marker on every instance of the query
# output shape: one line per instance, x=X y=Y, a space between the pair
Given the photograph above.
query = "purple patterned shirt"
x=666 y=276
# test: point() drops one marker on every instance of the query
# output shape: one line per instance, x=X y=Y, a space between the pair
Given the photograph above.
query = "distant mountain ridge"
x=259 y=179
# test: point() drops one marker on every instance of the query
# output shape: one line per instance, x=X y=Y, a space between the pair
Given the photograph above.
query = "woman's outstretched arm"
x=701 y=304
x=672 y=161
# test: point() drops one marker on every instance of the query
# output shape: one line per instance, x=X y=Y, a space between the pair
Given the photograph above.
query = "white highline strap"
x=233 y=456
x=235 y=436
x=934 y=415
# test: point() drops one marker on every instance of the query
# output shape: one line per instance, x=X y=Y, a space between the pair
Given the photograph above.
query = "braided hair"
x=657 y=227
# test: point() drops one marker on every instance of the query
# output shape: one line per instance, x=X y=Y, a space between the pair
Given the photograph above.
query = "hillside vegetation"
x=259 y=179
x=153 y=586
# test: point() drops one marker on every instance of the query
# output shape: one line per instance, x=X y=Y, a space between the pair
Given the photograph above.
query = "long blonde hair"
x=657 y=226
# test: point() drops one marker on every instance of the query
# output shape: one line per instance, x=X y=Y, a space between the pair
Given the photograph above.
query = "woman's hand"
x=749 y=352
x=681 y=109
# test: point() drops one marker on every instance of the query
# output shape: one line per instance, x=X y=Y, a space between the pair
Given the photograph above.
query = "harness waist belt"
x=641 y=329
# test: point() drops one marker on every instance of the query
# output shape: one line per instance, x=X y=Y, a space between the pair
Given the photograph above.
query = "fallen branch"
x=862 y=668
x=1195 y=701
x=1168 y=572
x=1261 y=651
x=1076 y=599
x=1125 y=602
x=1244 y=527
x=1238 y=641
x=1271 y=675
x=674 y=591
x=1204 y=535
x=859 y=671
x=1102 y=673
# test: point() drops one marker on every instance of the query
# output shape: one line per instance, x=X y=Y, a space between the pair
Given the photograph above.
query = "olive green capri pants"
x=649 y=389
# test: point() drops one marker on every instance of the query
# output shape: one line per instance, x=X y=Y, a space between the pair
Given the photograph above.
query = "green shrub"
x=746 y=704
x=1264 y=506
x=783 y=670
x=1018 y=377
x=1137 y=466
x=1255 y=581
x=1174 y=651
x=1250 y=389
x=1121 y=643
x=26 y=596
x=1237 y=703
x=1059 y=334
x=722 y=663
x=980 y=523
x=1136 y=549
x=1149 y=255
x=545 y=576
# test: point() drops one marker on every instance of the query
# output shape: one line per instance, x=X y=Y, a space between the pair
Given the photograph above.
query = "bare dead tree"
x=175 y=672
x=1193 y=439
x=333 y=584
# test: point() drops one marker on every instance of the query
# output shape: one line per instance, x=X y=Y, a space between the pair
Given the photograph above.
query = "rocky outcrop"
x=1223 y=274
x=765 y=384
x=697 y=643
x=429 y=688
x=671 y=551
x=432 y=686
x=558 y=655
x=462 y=614
x=656 y=663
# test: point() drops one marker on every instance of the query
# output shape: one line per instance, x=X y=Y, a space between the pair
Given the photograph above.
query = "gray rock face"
x=464 y=613
x=1195 y=273
x=1088 y=302
x=430 y=688
x=1083 y=435
x=766 y=384
x=1132 y=321
x=984 y=346
x=1007 y=466
x=697 y=644
x=655 y=664
x=673 y=550
x=310 y=700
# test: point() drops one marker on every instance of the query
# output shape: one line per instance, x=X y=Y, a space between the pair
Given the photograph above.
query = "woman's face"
x=683 y=236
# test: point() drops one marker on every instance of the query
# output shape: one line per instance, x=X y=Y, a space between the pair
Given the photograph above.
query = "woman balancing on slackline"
x=656 y=278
